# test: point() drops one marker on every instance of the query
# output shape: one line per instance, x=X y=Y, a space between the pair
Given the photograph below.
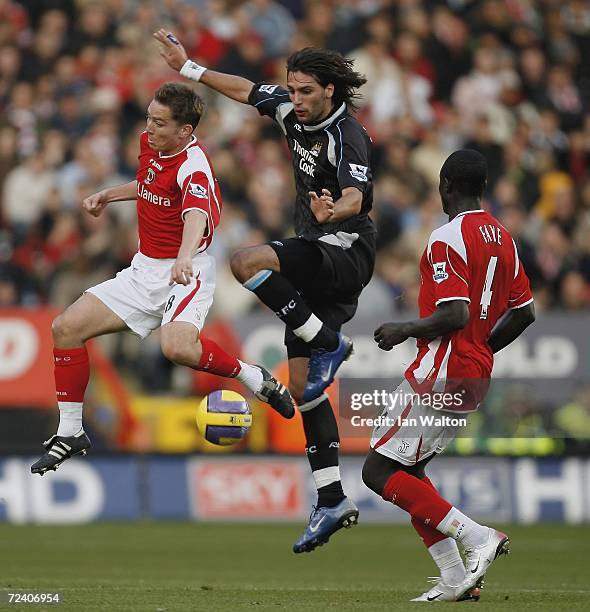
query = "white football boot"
x=445 y=592
x=479 y=558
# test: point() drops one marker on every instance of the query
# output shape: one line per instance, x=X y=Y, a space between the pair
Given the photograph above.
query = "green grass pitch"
x=229 y=567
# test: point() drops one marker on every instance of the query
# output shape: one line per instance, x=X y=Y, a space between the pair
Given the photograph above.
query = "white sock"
x=70 y=418
x=251 y=376
x=325 y=476
x=447 y=557
x=309 y=330
x=460 y=527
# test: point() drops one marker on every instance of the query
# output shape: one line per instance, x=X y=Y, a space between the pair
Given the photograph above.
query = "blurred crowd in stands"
x=510 y=78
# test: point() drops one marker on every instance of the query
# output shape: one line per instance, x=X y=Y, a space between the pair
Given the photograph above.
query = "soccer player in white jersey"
x=170 y=281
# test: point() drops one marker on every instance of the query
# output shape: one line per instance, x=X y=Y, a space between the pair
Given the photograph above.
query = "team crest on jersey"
x=440 y=272
x=315 y=150
x=198 y=191
x=359 y=172
x=150 y=176
x=267 y=88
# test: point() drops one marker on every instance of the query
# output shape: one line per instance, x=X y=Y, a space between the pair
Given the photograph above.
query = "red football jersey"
x=471 y=258
x=167 y=187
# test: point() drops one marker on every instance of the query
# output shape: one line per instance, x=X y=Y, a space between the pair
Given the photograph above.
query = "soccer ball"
x=224 y=417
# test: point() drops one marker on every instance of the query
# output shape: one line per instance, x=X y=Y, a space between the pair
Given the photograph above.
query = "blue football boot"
x=323 y=522
x=323 y=365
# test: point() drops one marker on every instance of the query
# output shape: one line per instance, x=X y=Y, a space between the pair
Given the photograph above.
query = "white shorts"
x=412 y=431
x=142 y=297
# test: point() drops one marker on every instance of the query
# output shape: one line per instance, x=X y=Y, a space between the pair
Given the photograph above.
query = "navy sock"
x=284 y=300
x=323 y=446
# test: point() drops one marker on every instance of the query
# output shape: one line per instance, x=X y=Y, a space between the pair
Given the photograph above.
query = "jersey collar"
x=468 y=212
x=326 y=121
x=191 y=142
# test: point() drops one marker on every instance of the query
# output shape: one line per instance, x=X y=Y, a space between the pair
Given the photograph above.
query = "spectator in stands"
x=273 y=23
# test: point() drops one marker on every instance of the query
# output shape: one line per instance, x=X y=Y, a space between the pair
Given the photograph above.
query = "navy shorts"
x=329 y=278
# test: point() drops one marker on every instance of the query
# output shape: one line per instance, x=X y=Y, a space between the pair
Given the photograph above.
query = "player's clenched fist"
x=322 y=206
x=182 y=271
x=171 y=49
x=95 y=203
x=389 y=335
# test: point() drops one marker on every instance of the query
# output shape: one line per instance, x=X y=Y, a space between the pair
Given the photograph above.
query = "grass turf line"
x=227 y=567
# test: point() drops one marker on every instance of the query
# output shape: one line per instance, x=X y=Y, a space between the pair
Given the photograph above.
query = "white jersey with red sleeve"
x=168 y=186
x=471 y=258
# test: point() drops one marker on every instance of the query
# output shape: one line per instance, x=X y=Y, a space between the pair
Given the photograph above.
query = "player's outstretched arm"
x=97 y=202
x=447 y=318
x=514 y=322
x=234 y=87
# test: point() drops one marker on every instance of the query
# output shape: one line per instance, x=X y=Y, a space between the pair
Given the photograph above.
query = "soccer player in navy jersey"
x=312 y=281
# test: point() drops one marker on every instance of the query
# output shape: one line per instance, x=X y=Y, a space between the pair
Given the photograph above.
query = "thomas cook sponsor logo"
x=307 y=159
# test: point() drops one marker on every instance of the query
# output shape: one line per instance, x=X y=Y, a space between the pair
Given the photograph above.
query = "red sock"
x=416 y=497
x=216 y=361
x=72 y=371
x=428 y=534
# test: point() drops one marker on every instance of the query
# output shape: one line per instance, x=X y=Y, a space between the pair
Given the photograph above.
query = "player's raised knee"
x=175 y=351
x=240 y=264
x=179 y=343
x=245 y=263
x=172 y=348
x=57 y=327
x=63 y=330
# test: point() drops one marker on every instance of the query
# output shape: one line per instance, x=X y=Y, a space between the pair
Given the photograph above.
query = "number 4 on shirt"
x=486 y=294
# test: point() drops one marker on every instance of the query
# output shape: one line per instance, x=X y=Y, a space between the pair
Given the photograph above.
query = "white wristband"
x=192 y=70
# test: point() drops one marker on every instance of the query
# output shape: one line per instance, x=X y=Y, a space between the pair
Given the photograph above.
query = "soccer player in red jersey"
x=170 y=281
x=474 y=300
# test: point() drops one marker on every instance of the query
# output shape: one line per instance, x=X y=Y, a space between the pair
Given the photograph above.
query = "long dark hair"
x=328 y=66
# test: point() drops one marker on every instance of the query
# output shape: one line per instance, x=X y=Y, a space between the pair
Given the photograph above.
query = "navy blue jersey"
x=333 y=155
